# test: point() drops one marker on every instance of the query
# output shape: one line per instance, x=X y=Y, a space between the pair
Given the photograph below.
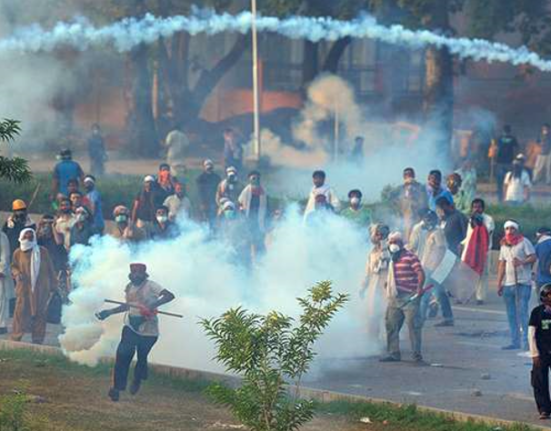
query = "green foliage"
x=13 y=169
x=270 y=352
x=13 y=413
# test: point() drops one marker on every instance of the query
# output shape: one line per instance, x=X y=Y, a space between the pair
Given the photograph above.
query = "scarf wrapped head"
x=26 y=245
x=510 y=238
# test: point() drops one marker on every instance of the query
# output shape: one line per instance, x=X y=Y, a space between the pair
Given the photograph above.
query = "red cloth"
x=477 y=249
x=512 y=240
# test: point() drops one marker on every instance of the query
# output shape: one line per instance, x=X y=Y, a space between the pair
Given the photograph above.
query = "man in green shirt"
x=461 y=199
x=355 y=211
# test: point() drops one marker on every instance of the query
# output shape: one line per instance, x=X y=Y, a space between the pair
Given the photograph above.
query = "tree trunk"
x=310 y=62
x=331 y=63
x=142 y=133
x=438 y=93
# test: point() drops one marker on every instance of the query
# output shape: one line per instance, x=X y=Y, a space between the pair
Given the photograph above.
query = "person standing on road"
x=406 y=279
x=507 y=149
x=141 y=328
x=539 y=339
x=411 y=198
x=514 y=275
x=96 y=151
x=543 y=162
x=543 y=254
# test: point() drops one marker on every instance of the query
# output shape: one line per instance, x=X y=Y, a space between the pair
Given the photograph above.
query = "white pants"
x=482 y=284
x=5 y=296
x=543 y=167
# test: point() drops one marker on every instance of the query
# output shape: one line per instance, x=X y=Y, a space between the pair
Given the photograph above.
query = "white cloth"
x=515 y=186
x=329 y=195
x=521 y=274
x=245 y=202
x=176 y=205
x=490 y=227
x=27 y=245
x=6 y=282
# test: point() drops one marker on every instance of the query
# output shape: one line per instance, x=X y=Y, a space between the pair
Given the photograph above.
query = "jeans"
x=443 y=299
x=517 y=299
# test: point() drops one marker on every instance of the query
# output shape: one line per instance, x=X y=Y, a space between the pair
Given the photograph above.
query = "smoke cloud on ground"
x=130 y=32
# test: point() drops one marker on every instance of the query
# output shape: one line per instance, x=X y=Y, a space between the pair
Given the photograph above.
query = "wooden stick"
x=166 y=313
x=34 y=195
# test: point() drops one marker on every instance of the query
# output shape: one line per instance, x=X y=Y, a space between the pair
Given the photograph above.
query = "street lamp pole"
x=256 y=101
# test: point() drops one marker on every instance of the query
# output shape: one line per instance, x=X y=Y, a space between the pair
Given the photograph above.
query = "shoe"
x=389 y=359
x=113 y=394
x=479 y=302
x=444 y=323
x=3 y=331
x=544 y=416
x=418 y=360
x=135 y=387
x=511 y=347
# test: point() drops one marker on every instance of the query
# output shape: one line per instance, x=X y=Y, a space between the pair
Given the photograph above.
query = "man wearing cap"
x=145 y=204
x=405 y=282
x=230 y=187
x=35 y=279
x=94 y=199
x=514 y=275
x=16 y=222
x=66 y=169
x=543 y=254
x=141 y=328
x=124 y=229
x=207 y=184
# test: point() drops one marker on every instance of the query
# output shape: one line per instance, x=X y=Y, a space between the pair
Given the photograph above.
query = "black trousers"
x=540 y=383
x=130 y=343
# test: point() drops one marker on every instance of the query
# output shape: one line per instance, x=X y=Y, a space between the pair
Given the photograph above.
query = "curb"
x=320 y=395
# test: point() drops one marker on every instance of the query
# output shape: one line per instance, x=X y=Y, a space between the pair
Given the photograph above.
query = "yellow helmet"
x=18 y=205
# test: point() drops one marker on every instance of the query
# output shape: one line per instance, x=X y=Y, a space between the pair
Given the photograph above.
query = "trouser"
x=129 y=344
x=543 y=167
x=97 y=166
x=540 y=383
x=482 y=284
x=517 y=299
x=4 y=306
x=443 y=299
x=396 y=314
x=501 y=171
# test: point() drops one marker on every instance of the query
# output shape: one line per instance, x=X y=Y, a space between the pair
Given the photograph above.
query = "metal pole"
x=256 y=101
x=337 y=137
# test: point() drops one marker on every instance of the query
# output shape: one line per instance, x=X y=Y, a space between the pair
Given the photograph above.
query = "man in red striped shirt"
x=404 y=289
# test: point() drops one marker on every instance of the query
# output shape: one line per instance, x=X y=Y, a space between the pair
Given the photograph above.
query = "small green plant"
x=13 y=169
x=271 y=353
x=13 y=413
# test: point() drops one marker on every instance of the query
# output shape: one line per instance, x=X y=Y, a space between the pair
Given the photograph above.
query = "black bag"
x=53 y=314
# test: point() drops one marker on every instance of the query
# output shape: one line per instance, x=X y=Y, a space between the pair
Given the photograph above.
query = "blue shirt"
x=443 y=193
x=543 y=252
x=95 y=199
x=65 y=171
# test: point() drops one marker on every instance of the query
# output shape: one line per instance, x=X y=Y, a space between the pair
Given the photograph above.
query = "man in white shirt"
x=517 y=183
x=320 y=188
x=478 y=206
x=178 y=202
x=514 y=275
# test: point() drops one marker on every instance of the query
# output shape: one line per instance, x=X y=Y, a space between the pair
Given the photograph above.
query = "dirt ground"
x=64 y=399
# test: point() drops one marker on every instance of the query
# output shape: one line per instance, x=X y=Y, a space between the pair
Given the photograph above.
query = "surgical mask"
x=162 y=219
x=394 y=248
x=26 y=244
x=81 y=217
x=121 y=219
x=355 y=201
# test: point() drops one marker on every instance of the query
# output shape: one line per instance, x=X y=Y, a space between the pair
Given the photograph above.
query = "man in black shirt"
x=453 y=222
x=539 y=340
x=507 y=149
x=207 y=184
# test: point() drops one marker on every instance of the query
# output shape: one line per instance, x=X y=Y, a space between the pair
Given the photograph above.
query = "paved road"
x=459 y=357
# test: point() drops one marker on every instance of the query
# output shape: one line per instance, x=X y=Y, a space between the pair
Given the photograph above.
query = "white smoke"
x=130 y=32
x=206 y=281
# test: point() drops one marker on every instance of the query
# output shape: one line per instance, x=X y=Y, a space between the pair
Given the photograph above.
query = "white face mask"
x=355 y=201
x=162 y=219
x=26 y=244
x=394 y=248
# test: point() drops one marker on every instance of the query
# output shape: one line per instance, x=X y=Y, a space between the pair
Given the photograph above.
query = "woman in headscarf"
x=35 y=279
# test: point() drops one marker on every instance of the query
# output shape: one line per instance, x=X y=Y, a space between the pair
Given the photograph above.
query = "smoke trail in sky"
x=129 y=32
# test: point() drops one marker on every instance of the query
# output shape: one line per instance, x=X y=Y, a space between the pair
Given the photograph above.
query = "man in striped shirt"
x=404 y=289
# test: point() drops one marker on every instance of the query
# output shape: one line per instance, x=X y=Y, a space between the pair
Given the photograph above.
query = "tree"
x=13 y=169
x=269 y=352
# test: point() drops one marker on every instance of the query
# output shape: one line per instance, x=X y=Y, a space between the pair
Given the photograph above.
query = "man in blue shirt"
x=435 y=190
x=543 y=253
x=64 y=171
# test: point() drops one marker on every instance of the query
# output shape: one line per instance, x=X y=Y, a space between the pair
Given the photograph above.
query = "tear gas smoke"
x=207 y=281
x=130 y=32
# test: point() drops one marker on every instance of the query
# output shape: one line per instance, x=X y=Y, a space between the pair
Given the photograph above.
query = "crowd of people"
x=435 y=222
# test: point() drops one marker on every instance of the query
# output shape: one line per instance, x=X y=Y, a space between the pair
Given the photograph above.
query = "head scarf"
x=26 y=245
x=512 y=239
